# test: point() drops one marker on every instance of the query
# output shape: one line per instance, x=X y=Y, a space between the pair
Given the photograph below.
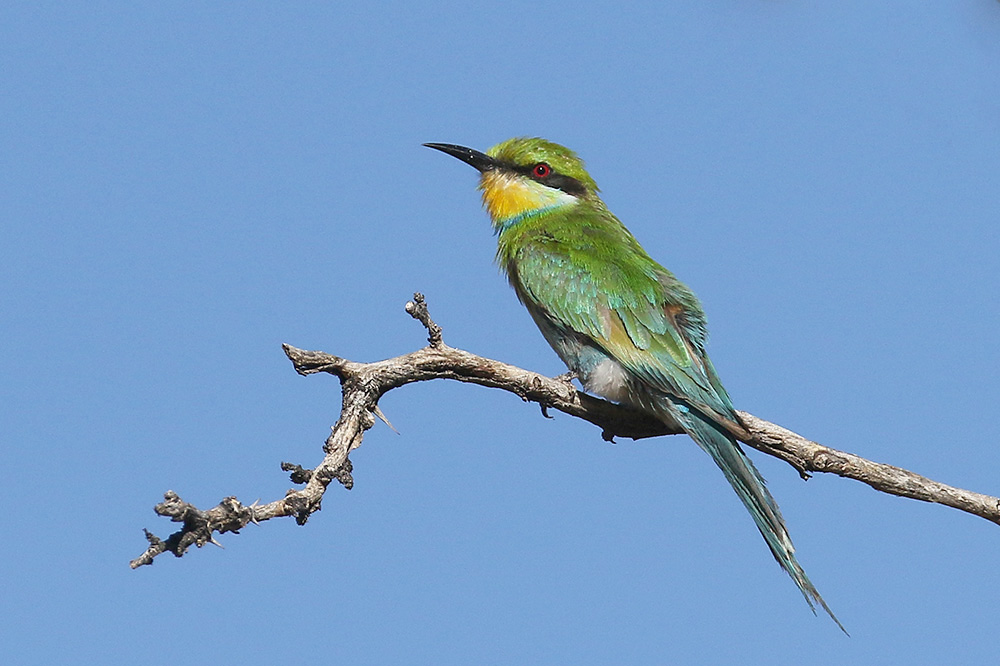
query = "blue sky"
x=186 y=186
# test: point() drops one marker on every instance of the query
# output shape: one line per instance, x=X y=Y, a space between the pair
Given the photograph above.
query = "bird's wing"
x=636 y=311
x=640 y=315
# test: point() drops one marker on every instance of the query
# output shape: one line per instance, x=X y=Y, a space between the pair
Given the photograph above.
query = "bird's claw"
x=567 y=377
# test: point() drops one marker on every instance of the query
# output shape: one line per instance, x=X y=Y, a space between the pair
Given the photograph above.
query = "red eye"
x=541 y=170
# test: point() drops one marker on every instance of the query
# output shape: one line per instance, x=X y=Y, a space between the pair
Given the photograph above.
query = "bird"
x=625 y=326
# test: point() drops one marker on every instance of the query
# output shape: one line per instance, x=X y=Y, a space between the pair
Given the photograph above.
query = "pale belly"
x=608 y=379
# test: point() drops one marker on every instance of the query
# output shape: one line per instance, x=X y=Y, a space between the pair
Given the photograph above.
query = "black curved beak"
x=480 y=161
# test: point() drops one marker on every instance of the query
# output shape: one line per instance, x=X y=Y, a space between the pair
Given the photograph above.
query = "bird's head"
x=522 y=177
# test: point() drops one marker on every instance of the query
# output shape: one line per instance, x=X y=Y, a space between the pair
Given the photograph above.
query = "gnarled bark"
x=363 y=384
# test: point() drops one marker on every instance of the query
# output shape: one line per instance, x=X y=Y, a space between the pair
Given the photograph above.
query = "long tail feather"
x=752 y=491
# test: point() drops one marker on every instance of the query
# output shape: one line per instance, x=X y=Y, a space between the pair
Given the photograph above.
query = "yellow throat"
x=509 y=197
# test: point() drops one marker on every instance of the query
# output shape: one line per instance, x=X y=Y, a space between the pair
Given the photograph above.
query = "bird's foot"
x=567 y=377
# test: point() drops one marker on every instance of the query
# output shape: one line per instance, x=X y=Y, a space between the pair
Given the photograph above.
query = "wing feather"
x=635 y=311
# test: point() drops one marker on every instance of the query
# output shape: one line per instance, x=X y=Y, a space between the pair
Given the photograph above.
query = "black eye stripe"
x=555 y=180
x=566 y=184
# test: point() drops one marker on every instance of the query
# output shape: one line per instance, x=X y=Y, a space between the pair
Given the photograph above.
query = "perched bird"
x=624 y=325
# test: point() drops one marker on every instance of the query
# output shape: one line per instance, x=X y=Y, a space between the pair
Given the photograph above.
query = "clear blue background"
x=185 y=186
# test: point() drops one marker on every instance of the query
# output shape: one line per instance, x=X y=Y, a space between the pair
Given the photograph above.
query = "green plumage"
x=627 y=327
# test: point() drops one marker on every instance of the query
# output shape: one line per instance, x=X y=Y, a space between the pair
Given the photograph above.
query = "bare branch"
x=417 y=308
x=363 y=384
x=771 y=438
